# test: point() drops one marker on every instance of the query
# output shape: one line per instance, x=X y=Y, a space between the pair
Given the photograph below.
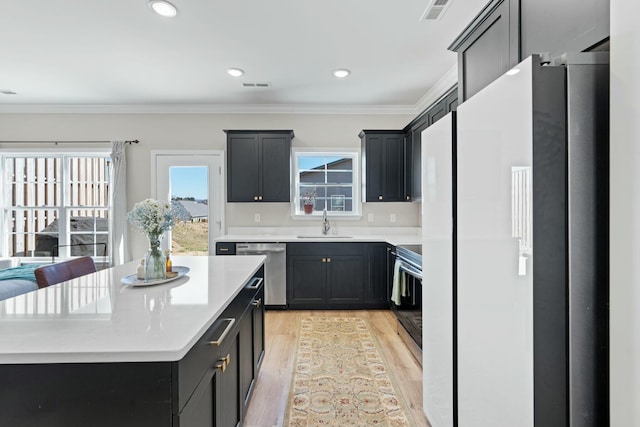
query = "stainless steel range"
x=407 y=305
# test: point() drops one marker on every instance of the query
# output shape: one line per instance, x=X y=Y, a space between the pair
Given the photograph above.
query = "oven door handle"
x=409 y=269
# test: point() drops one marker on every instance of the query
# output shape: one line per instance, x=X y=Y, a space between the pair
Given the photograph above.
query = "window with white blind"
x=55 y=205
x=327 y=180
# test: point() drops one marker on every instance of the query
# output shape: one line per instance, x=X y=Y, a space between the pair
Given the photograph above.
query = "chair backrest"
x=51 y=274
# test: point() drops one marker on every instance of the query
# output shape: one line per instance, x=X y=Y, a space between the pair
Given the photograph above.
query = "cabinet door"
x=415 y=161
x=257 y=315
x=376 y=282
x=243 y=168
x=275 y=151
x=451 y=101
x=437 y=112
x=374 y=164
x=199 y=411
x=393 y=172
x=391 y=260
x=227 y=390
x=246 y=359
x=345 y=280
x=489 y=46
x=306 y=281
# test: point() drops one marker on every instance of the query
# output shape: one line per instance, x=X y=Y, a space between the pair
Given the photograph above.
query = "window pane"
x=88 y=231
x=33 y=232
x=34 y=181
x=189 y=187
x=88 y=181
x=329 y=178
x=339 y=177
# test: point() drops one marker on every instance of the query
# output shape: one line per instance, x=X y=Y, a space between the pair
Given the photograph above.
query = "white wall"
x=625 y=214
x=205 y=131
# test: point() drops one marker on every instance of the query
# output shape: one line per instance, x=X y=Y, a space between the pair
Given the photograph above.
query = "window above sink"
x=326 y=180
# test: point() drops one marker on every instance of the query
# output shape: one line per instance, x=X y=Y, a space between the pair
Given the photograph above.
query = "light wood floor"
x=267 y=406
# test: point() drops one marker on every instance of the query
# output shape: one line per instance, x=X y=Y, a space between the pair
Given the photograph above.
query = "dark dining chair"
x=51 y=274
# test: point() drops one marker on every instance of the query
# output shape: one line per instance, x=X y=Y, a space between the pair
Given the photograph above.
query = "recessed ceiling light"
x=163 y=8
x=513 y=71
x=235 y=72
x=341 y=73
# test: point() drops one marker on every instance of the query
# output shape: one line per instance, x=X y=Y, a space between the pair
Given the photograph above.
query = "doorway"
x=193 y=180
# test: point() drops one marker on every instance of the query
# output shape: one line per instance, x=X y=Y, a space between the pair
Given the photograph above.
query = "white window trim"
x=356 y=214
x=5 y=188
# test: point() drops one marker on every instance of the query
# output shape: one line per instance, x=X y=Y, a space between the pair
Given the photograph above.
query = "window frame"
x=354 y=154
x=63 y=208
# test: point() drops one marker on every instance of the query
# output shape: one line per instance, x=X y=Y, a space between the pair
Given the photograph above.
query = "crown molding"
x=207 y=109
x=446 y=82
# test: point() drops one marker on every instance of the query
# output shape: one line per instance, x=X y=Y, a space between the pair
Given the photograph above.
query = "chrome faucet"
x=325 y=223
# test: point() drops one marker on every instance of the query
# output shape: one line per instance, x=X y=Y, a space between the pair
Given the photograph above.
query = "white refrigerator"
x=438 y=292
x=532 y=257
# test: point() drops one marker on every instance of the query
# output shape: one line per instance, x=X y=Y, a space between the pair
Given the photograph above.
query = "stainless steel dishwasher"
x=275 y=271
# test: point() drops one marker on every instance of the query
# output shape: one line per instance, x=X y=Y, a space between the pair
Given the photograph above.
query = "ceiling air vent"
x=254 y=84
x=435 y=10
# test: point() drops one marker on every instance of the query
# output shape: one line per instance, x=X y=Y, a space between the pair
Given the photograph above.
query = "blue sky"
x=189 y=181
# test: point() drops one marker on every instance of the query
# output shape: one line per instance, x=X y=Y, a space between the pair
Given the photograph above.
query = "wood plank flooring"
x=268 y=404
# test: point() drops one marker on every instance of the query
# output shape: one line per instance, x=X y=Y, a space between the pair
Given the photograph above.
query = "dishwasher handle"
x=259 y=249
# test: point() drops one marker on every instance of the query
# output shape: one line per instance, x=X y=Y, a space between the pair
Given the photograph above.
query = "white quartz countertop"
x=96 y=318
x=388 y=235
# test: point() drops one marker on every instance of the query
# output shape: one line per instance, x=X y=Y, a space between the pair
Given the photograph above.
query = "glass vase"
x=155 y=262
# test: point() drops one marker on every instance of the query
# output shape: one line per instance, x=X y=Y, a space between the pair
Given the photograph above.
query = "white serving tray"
x=133 y=280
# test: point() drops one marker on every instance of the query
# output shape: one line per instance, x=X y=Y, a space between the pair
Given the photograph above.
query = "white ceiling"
x=119 y=54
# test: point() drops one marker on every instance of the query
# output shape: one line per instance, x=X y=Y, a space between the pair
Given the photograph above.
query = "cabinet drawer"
x=225 y=248
x=325 y=249
x=204 y=355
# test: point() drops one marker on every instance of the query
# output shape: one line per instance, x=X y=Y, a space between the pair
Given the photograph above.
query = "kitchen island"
x=95 y=352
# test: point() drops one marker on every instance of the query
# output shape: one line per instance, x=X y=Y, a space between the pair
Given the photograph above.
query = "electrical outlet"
x=392 y=218
x=256 y=217
x=370 y=217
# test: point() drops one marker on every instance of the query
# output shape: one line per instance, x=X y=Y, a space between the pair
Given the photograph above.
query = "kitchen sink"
x=323 y=236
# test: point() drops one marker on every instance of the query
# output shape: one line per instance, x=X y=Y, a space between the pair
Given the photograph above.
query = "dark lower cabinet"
x=325 y=275
x=201 y=408
x=209 y=387
x=251 y=343
x=228 y=401
x=377 y=272
x=336 y=275
x=345 y=280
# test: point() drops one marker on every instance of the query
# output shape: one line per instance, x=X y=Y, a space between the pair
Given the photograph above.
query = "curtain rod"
x=133 y=141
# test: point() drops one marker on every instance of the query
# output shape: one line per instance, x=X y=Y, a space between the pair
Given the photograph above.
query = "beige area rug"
x=340 y=378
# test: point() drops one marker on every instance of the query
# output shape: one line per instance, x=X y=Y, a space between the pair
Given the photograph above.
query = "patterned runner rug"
x=340 y=378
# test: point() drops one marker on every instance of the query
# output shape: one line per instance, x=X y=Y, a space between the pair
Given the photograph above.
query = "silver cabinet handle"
x=224 y=333
x=255 y=283
x=257 y=303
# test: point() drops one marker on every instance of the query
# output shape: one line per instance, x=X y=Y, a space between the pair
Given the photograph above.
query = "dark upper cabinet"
x=413 y=141
x=383 y=160
x=507 y=31
x=437 y=111
x=488 y=47
x=259 y=166
x=574 y=25
x=451 y=100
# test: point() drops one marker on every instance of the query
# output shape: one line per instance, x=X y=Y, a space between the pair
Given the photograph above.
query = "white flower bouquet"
x=153 y=217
